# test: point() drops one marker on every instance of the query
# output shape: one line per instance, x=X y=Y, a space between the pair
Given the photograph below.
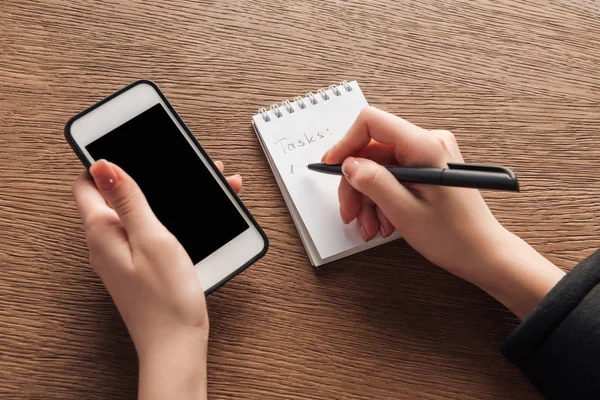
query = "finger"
x=445 y=144
x=87 y=196
x=103 y=229
x=235 y=181
x=350 y=201
x=367 y=221
x=380 y=153
x=373 y=123
x=377 y=183
x=125 y=197
x=385 y=226
x=95 y=213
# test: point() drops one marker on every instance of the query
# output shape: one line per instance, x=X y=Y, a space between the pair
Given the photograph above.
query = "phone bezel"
x=99 y=120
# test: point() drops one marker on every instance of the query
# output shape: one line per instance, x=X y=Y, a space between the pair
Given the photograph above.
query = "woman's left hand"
x=151 y=279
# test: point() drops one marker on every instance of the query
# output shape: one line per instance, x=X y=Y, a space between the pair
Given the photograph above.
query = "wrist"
x=175 y=368
x=515 y=274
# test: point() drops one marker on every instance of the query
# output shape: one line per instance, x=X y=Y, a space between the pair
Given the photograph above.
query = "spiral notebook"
x=297 y=133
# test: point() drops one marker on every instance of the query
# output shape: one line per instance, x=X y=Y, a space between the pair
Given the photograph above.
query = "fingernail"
x=363 y=233
x=349 y=166
x=104 y=175
x=219 y=164
x=325 y=156
x=344 y=217
x=384 y=233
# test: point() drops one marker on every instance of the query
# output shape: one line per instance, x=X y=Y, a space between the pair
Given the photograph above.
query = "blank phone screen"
x=180 y=189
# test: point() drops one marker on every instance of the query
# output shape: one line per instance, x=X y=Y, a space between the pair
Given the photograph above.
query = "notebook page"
x=304 y=236
x=302 y=137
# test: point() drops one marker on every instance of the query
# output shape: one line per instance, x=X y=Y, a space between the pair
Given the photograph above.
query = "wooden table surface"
x=516 y=81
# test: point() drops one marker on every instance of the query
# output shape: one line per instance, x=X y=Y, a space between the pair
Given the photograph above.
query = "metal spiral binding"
x=300 y=101
x=323 y=94
x=311 y=97
x=288 y=106
x=346 y=86
x=264 y=114
x=276 y=110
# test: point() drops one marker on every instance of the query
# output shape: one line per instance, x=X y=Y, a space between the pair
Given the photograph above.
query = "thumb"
x=377 y=183
x=124 y=196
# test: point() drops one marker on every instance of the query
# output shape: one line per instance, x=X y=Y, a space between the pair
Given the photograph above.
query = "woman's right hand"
x=451 y=227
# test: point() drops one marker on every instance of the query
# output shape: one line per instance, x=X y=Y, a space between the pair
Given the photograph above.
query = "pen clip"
x=483 y=168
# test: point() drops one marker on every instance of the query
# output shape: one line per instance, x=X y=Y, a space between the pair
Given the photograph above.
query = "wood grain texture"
x=516 y=81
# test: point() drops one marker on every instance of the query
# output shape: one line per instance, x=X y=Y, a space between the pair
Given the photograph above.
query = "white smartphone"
x=136 y=128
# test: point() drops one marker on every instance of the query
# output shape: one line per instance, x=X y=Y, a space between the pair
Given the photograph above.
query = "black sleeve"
x=558 y=345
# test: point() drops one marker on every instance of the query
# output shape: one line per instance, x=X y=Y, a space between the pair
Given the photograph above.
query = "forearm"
x=516 y=275
x=558 y=345
x=174 y=372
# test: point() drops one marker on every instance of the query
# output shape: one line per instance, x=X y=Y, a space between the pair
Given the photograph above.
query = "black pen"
x=476 y=176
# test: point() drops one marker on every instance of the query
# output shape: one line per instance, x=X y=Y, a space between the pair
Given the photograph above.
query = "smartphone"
x=138 y=129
